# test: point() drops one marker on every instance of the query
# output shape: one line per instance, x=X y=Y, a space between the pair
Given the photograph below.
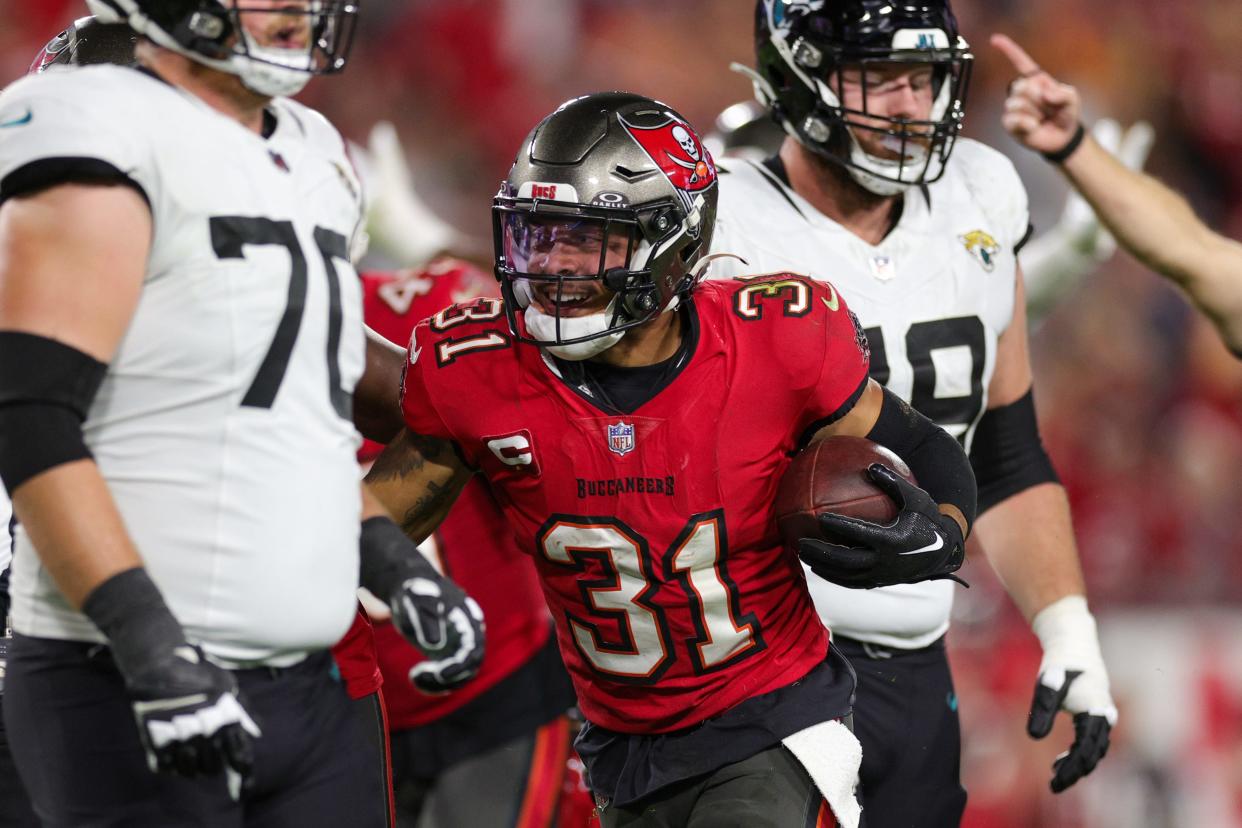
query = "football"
x=830 y=475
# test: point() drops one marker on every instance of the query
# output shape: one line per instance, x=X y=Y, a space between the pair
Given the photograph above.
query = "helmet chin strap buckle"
x=636 y=304
x=817 y=129
x=807 y=55
x=615 y=279
x=206 y=25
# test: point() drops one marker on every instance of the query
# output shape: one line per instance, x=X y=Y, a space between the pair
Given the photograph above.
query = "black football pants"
x=905 y=716
x=15 y=809
x=76 y=746
x=769 y=790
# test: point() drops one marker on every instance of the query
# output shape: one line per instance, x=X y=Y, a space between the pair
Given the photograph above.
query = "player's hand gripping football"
x=1073 y=678
x=446 y=625
x=921 y=544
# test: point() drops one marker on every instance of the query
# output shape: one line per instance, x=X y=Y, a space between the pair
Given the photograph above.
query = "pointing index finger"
x=1021 y=61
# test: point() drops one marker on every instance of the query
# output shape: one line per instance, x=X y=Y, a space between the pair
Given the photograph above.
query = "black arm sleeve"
x=1007 y=454
x=938 y=461
x=389 y=558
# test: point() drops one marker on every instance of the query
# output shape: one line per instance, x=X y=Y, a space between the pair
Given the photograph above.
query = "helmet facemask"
x=580 y=275
x=624 y=184
x=274 y=46
x=802 y=76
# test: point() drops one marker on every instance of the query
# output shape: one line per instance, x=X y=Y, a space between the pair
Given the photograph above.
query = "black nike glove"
x=429 y=610
x=921 y=544
x=446 y=625
x=190 y=718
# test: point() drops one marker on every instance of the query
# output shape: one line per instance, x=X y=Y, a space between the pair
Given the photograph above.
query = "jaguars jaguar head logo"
x=983 y=247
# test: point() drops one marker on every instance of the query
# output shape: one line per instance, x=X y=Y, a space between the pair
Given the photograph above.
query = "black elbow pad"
x=46 y=388
x=1007 y=453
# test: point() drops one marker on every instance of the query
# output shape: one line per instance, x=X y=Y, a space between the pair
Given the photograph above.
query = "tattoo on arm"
x=407 y=454
x=428 y=505
x=416 y=480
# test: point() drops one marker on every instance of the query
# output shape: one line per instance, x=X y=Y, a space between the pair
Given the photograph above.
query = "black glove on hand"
x=429 y=610
x=190 y=718
x=1073 y=678
x=1091 y=733
x=921 y=544
x=446 y=625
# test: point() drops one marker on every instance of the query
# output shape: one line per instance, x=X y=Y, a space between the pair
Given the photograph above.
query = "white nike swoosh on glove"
x=931 y=547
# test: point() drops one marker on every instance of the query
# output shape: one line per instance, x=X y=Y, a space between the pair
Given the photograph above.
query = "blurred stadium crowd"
x=1140 y=403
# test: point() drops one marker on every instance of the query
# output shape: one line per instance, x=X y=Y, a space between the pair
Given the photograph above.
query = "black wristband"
x=1063 y=154
x=129 y=610
x=389 y=558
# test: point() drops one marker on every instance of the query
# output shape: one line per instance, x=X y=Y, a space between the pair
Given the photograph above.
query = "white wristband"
x=1067 y=632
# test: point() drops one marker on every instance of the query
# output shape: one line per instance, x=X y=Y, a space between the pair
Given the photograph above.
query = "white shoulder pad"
x=325 y=141
x=993 y=184
x=321 y=135
x=752 y=200
x=77 y=124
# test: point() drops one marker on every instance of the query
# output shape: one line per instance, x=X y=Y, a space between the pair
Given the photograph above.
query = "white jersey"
x=934 y=297
x=223 y=427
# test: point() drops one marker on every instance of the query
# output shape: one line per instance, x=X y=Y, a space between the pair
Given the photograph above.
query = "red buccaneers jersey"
x=474 y=546
x=393 y=303
x=355 y=658
x=653 y=532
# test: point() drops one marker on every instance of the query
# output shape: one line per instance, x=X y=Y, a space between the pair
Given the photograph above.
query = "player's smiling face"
x=277 y=24
x=887 y=90
x=573 y=248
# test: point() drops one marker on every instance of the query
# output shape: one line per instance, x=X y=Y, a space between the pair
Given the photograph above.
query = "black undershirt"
x=626 y=768
x=623 y=390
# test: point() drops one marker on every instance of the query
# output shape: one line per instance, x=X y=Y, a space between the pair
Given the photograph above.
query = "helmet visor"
x=571 y=263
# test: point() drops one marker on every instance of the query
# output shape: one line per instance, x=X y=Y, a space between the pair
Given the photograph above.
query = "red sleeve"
x=418 y=390
x=846 y=361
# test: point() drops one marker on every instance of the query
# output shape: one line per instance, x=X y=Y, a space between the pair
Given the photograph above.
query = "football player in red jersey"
x=496 y=751
x=633 y=423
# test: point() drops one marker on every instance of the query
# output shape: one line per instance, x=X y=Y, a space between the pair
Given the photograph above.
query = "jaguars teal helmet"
x=626 y=183
x=275 y=48
x=802 y=48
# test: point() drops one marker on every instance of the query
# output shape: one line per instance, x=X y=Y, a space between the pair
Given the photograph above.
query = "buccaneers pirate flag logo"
x=677 y=151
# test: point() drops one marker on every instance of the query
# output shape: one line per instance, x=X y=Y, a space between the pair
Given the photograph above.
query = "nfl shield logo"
x=621 y=438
